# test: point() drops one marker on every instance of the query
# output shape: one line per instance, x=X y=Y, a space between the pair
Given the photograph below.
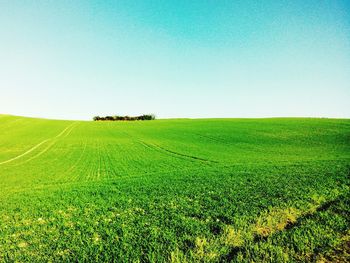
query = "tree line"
x=145 y=117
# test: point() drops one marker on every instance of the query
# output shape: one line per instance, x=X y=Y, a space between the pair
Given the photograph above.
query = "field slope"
x=208 y=190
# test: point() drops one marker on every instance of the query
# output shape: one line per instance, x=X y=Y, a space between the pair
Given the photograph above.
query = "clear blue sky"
x=77 y=59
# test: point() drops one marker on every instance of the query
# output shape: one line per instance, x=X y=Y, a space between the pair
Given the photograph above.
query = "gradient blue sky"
x=77 y=59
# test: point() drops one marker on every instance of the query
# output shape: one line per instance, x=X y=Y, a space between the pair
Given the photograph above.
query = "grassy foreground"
x=211 y=190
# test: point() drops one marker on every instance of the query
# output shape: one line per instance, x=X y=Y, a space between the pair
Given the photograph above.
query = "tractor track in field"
x=110 y=164
x=38 y=145
x=51 y=144
x=108 y=156
x=87 y=181
x=74 y=165
x=212 y=138
x=170 y=152
x=99 y=160
x=174 y=153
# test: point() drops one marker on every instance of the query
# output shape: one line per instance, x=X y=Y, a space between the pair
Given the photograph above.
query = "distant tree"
x=148 y=117
x=125 y=118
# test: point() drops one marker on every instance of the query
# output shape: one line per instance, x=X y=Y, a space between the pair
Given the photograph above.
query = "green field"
x=204 y=190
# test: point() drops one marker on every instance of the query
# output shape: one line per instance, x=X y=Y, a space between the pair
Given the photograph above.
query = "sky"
x=175 y=59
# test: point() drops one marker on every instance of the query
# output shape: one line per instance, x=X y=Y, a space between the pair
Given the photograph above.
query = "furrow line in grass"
x=74 y=165
x=54 y=140
x=34 y=147
x=39 y=153
x=99 y=159
x=126 y=155
x=69 y=126
x=86 y=171
x=139 y=141
x=25 y=153
x=88 y=166
x=110 y=163
x=69 y=132
x=91 y=164
x=95 y=167
x=174 y=153
x=90 y=170
x=94 y=164
x=105 y=161
x=211 y=138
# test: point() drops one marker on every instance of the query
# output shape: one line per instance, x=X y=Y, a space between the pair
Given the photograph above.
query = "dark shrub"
x=125 y=118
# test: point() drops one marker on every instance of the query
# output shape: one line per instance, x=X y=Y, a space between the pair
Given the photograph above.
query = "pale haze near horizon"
x=195 y=59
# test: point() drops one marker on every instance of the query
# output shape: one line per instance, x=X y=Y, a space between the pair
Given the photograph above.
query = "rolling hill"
x=177 y=190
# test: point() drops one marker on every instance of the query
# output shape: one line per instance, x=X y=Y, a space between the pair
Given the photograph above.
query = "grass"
x=209 y=190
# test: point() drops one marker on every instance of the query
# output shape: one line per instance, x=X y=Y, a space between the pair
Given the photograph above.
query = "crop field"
x=181 y=190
